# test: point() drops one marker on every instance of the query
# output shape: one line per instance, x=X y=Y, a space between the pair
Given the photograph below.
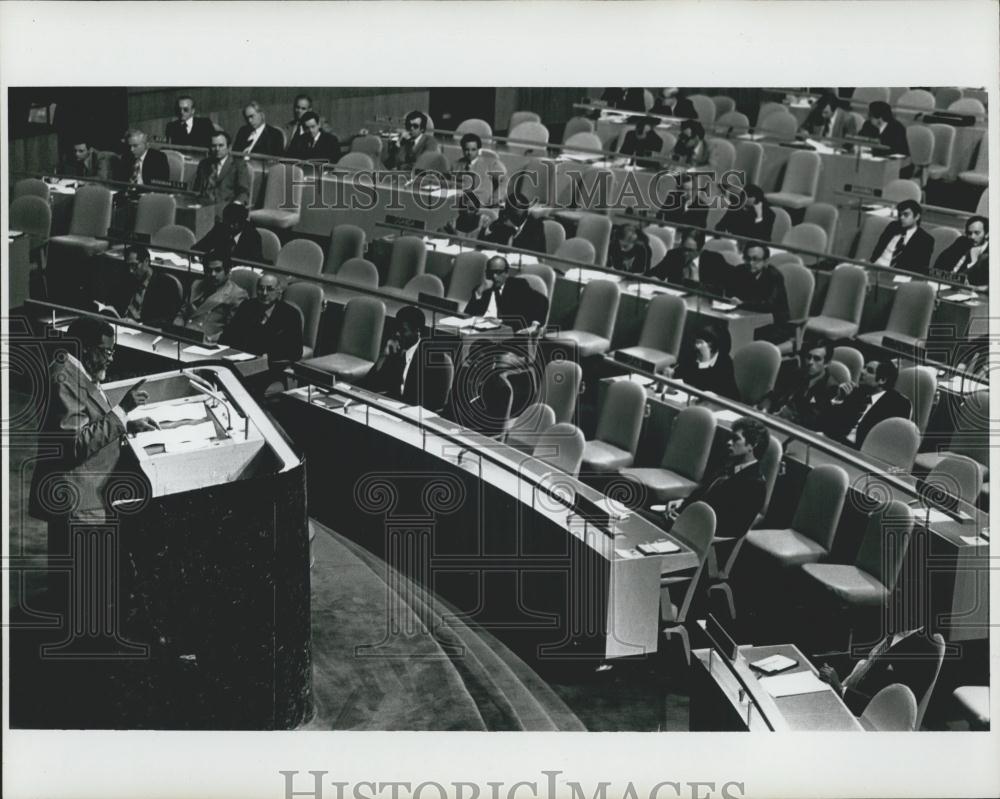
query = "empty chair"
x=894 y=441
x=721 y=156
x=695 y=527
x=358 y=272
x=466 y=276
x=704 y=107
x=525 y=431
x=423 y=284
x=840 y=315
x=916 y=100
x=749 y=159
x=781 y=125
x=355 y=162
x=799 y=286
x=871 y=94
x=175 y=163
x=282 y=198
x=584 y=140
x=595 y=318
x=768 y=108
x=347 y=241
x=684 y=458
x=723 y=105
x=561 y=447
x=308 y=298
x=910 y=316
x=89 y=223
x=798 y=187
x=270 y=245
x=544 y=273
x=618 y=427
x=173 y=237
x=32 y=187
x=943 y=237
x=155 y=211
x=732 y=122
x=969 y=106
x=561 y=388
x=555 y=235
x=301 y=256
x=756 y=369
x=782 y=224
x=360 y=337
x=576 y=125
x=370 y=145
x=901 y=189
x=871 y=230
x=245 y=278
x=517 y=117
x=807 y=236
x=575 y=249
x=946 y=95
x=920 y=140
x=971 y=437
x=893 y=709
x=528 y=137
x=810 y=536
x=478 y=126
x=826 y=216
x=662 y=330
x=944 y=151
x=408 y=259
x=979 y=174
x=919 y=385
x=954 y=477
x=597 y=230
x=852 y=359
x=32 y=215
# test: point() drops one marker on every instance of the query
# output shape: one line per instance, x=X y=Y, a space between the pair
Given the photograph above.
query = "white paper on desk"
x=901 y=279
x=455 y=321
x=628 y=554
x=240 y=356
x=799 y=682
x=174 y=412
x=194 y=349
x=174 y=436
x=586 y=275
x=121 y=330
x=931 y=515
x=662 y=547
x=959 y=296
x=975 y=541
x=718 y=305
x=169 y=257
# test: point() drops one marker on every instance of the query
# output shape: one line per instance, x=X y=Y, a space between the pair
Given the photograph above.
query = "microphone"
x=202 y=387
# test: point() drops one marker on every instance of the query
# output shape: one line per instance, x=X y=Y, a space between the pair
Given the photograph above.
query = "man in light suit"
x=222 y=179
x=214 y=300
x=256 y=136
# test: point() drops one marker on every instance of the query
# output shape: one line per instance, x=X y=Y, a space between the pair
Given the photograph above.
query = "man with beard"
x=214 y=299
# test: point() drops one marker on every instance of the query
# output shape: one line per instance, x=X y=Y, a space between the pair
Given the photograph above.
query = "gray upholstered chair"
x=561 y=389
x=840 y=315
x=360 y=337
x=662 y=330
x=595 y=318
x=561 y=447
x=347 y=241
x=613 y=447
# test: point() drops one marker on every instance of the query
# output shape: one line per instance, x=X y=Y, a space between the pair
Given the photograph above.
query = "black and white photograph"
x=350 y=422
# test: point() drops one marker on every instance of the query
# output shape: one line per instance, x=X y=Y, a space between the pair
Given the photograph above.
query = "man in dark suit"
x=882 y=125
x=414 y=142
x=968 y=258
x=904 y=244
x=856 y=409
x=315 y=144
x=293 y=128
x=398 y=371
x=266 y=325
x=234 y=236
x=142 y=165
x=688 y=205
x=515 y=227
x=512 y=300
x=221 y=178
x=691 y=264
x=189 y=130
x=642 y=141
x=150 y=297
x=758 y=286
x=256 y=136
x=805 y=398
x=754 y=219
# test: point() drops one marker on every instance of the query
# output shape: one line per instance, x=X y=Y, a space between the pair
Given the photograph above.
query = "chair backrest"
x=438 y=378
x=925 y=700
x=663 y=327
x=695 y=527
x=893 y=709
x=347 y=241
x=544 y=273
x=361 y=332
x=302 y=256
x=155 y=211
x=802 y=173
x=944 y=143
x=664 y=234
x=871 y=94
x=749 y=159
x=91 y=212
x=851 y=358
x=946 y=95
x=967 y=105
x=358 y=272
x=524 y=431
x=431 y=162
x=826 y=216
x=806 y=235
x=983 y=206
x=245 y=278
x=956 y=476
x=721 y=156
x=466 y=276
x=871 y=229
x=32 y=187
x=894 y=441
x=408 y=259
x=657 y=249
x=517 y=117
x=972 y=428
x=704 y=107
x=423 y=284
x=176 y=237
x=732 y=121
x=270 y=245
x=886 y=538
x=721 y=245
x=919 y=385
x=799 y=286
x=723 y=105
x=768 y=108
x=478 y=126
x=555 y=235
x=779 y=124
x=370 y=145
x=598 y=308
x=576 y=125
x=838 y=373
x=916 y=99
x=597 y=230
x=820 y=504
x=621 y=416
x=715 y=216
x=782 y=224
x=528 y=136
x=912 y=309
x=308 y=298
x=562 y=388
x=584 y=139
x=756 y=369
x=920 y=140
x=561 y=447
x=32 y=215
x=770 y=465
x=845 y=296
x=356 y=162
x=175 y=163
x=982 y=154
x=901 y=189
x=576 y=249
x=283 y=190
x=690 y=442
x=943 y=237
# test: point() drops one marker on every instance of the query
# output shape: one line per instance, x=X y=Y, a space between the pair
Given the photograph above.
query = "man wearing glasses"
x=758 y=286
x=414 y=142
x=267 y=325
x=189 y=130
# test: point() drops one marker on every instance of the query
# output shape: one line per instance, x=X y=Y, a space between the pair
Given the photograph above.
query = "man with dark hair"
x=690 y=148
x=511 y=300
x=689 y=263
x=904 y=244
x=754 y=219
x=221 y=178
x=856 y=409
x=688 y=204
x=642 y=141
x=315 y=144
x=396 y=373
x=705 y=364
x=758 y=286
x=968 y=258
x=827 y=119
x=882 y=125
x=516 y=227
x=235 y=236
x=256 y=136
x=413 y=143
x=267 y=325
x=84 y=161
x=150 y=297
x=143 y=164
x=806 y=398
x=214 y=299
x=293 y=128
x=189 y=130
x=476 y=173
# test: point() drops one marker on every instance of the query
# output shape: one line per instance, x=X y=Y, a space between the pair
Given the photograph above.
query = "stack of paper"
x=456 y=322
x=172 y=413
x=662 y=547
x=718 y=305
x=959 y=296
x=174 y=437
x=240 y=356
x=578 y=274
x=196 y=349
x=799 y=682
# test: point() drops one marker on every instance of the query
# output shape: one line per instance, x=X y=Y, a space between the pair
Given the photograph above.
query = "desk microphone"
x=203 y=388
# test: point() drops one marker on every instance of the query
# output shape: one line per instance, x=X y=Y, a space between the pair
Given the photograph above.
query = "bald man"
x=266 y=325
x=143 y=165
